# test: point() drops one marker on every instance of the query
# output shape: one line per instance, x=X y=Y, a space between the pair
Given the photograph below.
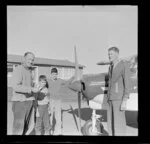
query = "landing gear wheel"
x=87 y=128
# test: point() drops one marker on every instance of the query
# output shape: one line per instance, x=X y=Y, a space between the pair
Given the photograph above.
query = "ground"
x=70 y=118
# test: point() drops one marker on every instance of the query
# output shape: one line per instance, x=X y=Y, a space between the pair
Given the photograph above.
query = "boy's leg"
x=52 y=111
x=38 y=124
x=46 y=121
x=19 y=112
x=58 y=117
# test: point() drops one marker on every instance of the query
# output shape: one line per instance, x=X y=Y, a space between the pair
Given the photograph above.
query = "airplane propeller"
x=78 y=78
x=103 y=63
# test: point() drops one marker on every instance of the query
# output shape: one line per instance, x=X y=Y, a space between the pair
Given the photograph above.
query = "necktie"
x=32 y=77
x=111 y=69
x=110 y=76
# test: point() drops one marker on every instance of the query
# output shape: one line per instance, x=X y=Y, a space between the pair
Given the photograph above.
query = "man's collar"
x=28 y=68
x=115 y=62
x=54 y=79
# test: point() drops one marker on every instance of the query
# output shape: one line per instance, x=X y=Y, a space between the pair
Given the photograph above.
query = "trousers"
x=116 y=119
x=42 y=119
x=21 y=112
x=56 y=114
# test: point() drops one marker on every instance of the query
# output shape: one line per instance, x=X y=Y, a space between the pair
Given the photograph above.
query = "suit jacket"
x=22 y=83
x=118 y=85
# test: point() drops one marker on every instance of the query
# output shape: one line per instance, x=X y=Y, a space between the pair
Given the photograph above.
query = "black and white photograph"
x=72 y=70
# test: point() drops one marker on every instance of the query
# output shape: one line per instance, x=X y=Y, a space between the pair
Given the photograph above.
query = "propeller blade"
x=78 y=78
x=73 y=113
x=103 y=63
x=76 y=84
x=79 y=109
x=77 y=71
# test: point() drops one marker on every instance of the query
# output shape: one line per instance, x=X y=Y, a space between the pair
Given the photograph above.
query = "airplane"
x=94 y=89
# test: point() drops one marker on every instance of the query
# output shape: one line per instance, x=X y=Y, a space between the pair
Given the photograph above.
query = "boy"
x=42 y=115
x=55 y=103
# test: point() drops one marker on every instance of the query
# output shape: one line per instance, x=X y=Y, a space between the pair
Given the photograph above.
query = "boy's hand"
x=35 y=90
x=45 y=91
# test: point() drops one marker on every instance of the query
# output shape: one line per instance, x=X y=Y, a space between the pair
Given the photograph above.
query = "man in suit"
x=22 y=84
x=118 y=93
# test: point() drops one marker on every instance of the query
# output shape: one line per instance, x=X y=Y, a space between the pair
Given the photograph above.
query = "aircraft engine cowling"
x=90 y=91
x=76 y=86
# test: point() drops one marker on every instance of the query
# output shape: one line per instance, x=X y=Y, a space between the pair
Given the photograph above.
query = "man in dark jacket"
x=118 y=93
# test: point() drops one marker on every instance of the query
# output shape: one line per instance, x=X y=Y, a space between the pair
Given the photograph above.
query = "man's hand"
x=35 y=90
x=123 y=105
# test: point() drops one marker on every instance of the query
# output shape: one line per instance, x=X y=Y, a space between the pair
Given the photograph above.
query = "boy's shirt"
x=46 y=98
x=54 y=88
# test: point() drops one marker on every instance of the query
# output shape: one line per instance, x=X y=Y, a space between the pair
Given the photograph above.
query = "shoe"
x=37 y=133
x=57 y=133
x=47 y=133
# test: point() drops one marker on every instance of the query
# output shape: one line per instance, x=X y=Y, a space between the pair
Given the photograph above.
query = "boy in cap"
x=55 y=84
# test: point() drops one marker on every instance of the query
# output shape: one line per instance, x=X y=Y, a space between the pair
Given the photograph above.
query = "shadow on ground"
x=132 y=118
x=86 y=113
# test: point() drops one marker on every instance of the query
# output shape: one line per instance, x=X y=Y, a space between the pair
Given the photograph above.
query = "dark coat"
x=118 y=85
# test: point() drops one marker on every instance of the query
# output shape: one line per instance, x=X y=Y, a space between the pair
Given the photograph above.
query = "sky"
x=53 y=32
